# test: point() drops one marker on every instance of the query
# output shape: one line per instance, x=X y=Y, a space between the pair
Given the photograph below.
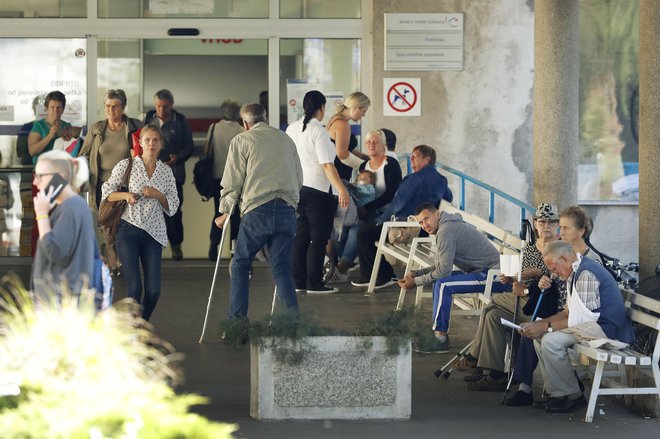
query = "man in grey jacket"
x=262 y=171
x=457 y=243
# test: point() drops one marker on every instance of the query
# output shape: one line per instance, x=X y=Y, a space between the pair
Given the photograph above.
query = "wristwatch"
x=526 y=292
x=550 y=327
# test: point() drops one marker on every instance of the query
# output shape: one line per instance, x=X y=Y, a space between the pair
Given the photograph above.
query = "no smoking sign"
x=402 y=97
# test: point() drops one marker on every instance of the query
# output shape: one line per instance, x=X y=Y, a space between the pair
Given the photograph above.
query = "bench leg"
x=595 y=387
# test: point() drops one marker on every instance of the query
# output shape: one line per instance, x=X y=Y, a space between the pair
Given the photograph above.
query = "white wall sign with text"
x=424 y=41
x=402 y=97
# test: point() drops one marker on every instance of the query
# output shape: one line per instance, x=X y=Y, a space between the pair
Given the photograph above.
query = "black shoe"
x=520 y=399
x=177 y=253
x=565 y=405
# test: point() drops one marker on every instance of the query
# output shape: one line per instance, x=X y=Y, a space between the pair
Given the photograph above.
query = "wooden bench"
x=614 y=380
x=421 y=253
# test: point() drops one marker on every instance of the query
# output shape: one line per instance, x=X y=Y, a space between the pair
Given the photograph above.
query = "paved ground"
x=440 y=408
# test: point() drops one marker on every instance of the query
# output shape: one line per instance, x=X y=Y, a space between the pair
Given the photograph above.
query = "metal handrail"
x=463 y=177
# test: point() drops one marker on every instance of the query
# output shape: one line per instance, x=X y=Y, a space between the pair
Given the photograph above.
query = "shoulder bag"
x=203 y=171
x=110 y=212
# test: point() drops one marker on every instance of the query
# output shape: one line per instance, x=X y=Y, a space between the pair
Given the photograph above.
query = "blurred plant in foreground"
x=67 y=372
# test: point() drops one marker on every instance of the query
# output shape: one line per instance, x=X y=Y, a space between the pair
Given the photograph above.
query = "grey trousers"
x=489 y=344
x=552 y=350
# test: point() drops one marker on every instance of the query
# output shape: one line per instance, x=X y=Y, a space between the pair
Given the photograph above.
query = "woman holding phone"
x=64 y=259
x=141 y=233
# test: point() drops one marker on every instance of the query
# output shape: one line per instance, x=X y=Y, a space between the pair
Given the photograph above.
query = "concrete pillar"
x=649 y=139
x=556 y=76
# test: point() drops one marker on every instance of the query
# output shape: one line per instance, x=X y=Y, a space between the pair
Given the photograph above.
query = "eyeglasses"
x=544 y=223
x=40 y=176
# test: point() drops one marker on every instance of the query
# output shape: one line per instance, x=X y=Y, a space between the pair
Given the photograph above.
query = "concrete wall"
x=616 y=230
x=478 y=120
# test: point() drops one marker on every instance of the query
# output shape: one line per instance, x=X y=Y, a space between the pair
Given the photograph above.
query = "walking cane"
x=512 y=357
x=215 y=272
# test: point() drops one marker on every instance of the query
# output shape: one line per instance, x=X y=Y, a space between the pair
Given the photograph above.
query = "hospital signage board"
x=424 y=41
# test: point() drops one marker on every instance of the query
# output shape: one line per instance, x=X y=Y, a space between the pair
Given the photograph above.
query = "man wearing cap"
x=489 y=345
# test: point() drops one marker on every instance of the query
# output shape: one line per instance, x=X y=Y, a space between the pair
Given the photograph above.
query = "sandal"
x=465 y=363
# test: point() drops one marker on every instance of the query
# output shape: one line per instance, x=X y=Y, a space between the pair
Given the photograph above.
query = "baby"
x=364 y=189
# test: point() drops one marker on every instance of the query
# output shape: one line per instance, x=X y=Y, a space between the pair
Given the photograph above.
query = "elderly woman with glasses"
x=108 y=143
x=64 y=259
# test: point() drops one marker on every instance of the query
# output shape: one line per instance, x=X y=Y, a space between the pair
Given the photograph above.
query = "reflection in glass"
x=43 y=9
x=609 y=53
x=119 y=67
x=181 y=9
x=319 y=9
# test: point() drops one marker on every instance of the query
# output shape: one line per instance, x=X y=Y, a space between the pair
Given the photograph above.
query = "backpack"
x=203 y=171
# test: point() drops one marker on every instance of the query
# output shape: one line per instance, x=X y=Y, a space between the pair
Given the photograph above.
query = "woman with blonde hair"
x=64 y=258
x=141 y=233
x=354 y=108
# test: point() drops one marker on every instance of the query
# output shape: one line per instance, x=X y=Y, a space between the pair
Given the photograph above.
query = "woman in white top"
x=317 y=205
x=141 y=234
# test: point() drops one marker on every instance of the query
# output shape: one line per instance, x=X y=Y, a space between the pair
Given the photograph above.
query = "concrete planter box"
x=340 y=378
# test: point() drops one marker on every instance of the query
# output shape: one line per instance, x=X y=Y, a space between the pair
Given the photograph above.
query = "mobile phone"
x=57 y=182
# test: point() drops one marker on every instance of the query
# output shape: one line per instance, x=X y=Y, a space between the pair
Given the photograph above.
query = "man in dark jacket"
x=425 y=185
x=177 y=149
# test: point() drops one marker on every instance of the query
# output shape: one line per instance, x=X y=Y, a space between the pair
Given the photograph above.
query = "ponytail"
x=312 y=102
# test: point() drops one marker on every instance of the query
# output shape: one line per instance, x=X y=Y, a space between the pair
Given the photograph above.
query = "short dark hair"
x=164 y=95
x=55 y=96
x=390 y=139
x=581 y=219
x=426 y=151
x=118 y=94
x=425 y=206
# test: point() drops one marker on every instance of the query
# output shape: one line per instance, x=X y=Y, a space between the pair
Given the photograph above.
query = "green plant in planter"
x=68 y=372
x=286 y=332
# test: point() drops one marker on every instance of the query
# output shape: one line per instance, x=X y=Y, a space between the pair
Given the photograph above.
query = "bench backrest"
x=642 y=309
x=504 y=241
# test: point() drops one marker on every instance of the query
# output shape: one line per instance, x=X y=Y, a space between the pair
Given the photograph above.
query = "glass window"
x=180 y=9
x=609 y=90
x=118 y=66
x=331 y=66
x=320 y=9
x=43 y=8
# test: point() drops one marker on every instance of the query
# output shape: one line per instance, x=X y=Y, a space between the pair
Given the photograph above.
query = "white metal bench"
x=614 y=381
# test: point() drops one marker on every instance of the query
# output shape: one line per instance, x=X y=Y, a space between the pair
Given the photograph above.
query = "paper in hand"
x=510 y=265
x=509 y=324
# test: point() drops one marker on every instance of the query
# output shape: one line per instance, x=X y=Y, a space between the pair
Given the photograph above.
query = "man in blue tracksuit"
x=424 y=185
x=457 y=243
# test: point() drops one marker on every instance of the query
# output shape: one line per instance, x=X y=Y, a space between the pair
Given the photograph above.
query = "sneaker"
x=434 y=347
x=324 y=289
x=565 y=405
x=177 y=253
x=301 y=290
x=360 y=283
x=338 y=277
x=384 y=284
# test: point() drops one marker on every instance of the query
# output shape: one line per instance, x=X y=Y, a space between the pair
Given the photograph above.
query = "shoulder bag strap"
x=209 y=144
x=127 y=173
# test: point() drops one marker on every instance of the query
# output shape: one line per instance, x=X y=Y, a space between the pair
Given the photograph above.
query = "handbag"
x=110 y=212
x=403 y=235
x=203 y=171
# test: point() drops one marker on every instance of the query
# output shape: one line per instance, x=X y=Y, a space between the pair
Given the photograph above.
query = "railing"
x=492 y=191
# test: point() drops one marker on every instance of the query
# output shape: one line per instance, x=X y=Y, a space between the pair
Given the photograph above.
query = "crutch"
x=446 y=370
x=215 y=272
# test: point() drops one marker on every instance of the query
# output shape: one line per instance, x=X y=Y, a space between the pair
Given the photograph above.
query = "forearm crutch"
x=512 y=356
x=446 y=370
x=215 y=272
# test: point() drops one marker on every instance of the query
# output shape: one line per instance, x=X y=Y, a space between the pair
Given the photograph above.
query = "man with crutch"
x=262 y=171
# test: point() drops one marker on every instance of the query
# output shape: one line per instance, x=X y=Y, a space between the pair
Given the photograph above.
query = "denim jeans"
x=135 y=245
x=348 y=248
x=272 y=224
